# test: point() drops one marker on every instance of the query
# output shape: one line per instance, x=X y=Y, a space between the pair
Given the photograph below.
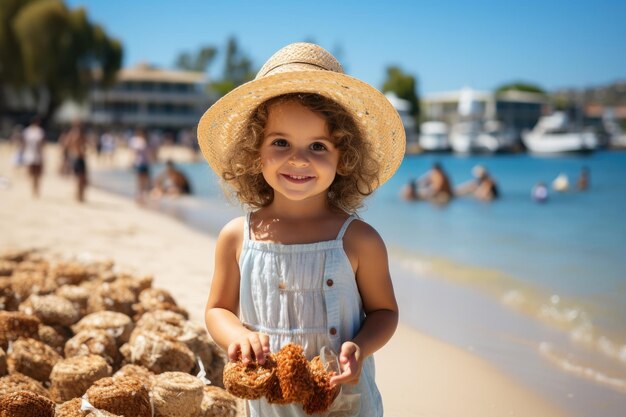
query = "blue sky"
x=445 y=44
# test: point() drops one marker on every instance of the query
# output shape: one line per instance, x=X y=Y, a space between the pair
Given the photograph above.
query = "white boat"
x=464 y=138
x=616 y=135
x=552 y=134
x=497 y=135
x=434 y=136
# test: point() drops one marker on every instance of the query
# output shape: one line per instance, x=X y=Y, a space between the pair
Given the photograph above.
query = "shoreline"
x=417 y=374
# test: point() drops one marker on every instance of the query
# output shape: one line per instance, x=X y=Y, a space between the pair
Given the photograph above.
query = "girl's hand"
x=350 y=362
x=251 y=345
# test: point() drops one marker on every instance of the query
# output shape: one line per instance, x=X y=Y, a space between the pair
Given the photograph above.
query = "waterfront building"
x=152 y=98
x=516 y=109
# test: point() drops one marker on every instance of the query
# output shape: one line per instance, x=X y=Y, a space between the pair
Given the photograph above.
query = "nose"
x=299 y=158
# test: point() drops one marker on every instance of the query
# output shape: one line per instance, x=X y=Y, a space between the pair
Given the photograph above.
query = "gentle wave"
x=556 y=311
x=564 y=361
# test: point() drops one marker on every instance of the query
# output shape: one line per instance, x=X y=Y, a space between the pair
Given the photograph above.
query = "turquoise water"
x=558 y=269
x=572 y=246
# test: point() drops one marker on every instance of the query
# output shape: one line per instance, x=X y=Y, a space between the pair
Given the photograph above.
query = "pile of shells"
x=87 y=339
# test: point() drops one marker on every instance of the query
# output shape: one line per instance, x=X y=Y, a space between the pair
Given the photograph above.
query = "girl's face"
x=298 y=157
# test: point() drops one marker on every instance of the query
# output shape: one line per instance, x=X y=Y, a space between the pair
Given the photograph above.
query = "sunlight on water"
x=564 y=361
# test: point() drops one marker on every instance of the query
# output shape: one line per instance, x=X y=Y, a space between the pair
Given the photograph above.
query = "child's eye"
x=317 y=146
x=280 y=143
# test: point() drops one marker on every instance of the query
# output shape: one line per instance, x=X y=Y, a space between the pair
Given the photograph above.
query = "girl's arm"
x=221 y=313
x=368 y=255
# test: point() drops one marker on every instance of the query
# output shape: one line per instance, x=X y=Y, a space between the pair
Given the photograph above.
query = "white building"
x=144 y=96
x=517 y=109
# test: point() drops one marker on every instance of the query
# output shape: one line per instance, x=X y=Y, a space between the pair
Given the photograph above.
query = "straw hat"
x=305 y=68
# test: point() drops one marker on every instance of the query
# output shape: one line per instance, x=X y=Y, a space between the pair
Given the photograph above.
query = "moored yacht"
x=554 y=134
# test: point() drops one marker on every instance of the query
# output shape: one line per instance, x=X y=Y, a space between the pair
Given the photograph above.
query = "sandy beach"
x=417 y=375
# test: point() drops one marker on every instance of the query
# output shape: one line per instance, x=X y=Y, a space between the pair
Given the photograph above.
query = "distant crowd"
x=76 y=141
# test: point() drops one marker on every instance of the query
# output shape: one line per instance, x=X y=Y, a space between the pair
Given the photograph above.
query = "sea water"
x=538 y=289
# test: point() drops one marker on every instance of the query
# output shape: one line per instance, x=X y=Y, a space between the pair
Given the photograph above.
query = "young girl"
x=301 y=146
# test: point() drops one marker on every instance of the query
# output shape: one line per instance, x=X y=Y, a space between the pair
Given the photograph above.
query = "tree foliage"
x=199 y=61
x=520 y=86
x=54 y=51
x=237 y=65
x=237 y=69
x=404 y=86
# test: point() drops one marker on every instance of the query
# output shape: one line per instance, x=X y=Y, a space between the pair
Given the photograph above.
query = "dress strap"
x=343 y=229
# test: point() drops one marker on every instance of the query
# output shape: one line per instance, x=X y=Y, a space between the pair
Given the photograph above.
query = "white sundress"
x=306 y=294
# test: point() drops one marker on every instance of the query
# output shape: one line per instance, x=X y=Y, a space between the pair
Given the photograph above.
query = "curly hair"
x=357 y=170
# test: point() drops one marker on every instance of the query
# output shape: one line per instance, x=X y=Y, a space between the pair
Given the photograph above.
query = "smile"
x=297 y=178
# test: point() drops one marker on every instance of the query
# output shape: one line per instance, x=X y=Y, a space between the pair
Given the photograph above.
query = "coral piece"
x=77 y=295
x=177 y=327
x=32 y=358
x=8 y=301
x=136 y=284
x=126 y=396
x=71 y=408
x=158 y=352
x=249 y=381
x=137 y=371
x=293 y=373
x=14 y=325
x=26 y=404
x=51 y=309
x=217 y=402
x=54 y=336
x=18 y=382
x=153 y=299
x=71 y=377
x=31 y=282
x=69 y=273
x=117 y=324
x=177 y=394
x=323 y=394
x=93 y=342
x=112 y=297
x=286 y=377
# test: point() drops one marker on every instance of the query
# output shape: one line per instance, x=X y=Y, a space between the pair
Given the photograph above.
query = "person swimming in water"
x=483 y=186
x=434 y=186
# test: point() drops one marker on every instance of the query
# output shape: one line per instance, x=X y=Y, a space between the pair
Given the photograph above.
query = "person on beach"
x=17 y=139
x=75 y=141
x=171 y=182
x=483 y=187
x=301 y=146
x=141 y=163
x=34 y=139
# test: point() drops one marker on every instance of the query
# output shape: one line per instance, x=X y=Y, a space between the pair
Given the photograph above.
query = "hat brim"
x=224 y=122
